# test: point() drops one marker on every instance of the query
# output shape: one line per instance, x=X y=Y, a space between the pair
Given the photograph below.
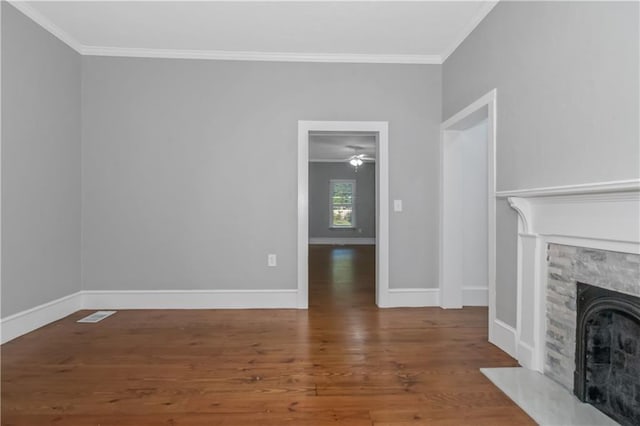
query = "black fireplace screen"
x=607 y=371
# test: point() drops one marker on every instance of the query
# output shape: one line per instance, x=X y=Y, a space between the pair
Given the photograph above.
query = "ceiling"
x=339 y=31
x=333 y=146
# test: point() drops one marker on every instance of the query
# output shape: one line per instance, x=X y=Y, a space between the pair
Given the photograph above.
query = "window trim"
x=333 y=182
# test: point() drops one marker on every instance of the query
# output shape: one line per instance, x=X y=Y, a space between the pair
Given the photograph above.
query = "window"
x=342 y=194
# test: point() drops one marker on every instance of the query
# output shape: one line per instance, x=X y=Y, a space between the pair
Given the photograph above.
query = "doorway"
x=342 y=212
x=380 y=131
x=467 y=208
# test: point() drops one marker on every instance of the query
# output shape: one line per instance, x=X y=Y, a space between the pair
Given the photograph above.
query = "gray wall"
x=567 y=81
x=189 y=167
x=40 y=165
x=319 y=176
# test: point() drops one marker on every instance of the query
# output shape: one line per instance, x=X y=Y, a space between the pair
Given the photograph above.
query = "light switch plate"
x=397 y=205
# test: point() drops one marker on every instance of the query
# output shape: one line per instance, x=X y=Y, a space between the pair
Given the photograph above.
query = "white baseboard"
x=26 y=321
x=504 y=337
x=475 y=296
x=412 y=297
x=191 y=299
x=343 y=241
x=525 y=355
x=31 y=319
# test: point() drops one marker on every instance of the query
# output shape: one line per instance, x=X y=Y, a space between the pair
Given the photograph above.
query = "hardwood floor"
x=343 y=361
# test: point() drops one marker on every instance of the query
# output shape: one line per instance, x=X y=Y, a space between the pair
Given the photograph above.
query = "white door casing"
x=450 y=241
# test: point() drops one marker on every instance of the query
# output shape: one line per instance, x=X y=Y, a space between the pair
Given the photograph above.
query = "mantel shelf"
x=632 y=185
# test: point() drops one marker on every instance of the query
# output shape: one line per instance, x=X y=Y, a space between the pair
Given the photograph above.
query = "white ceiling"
x=332 y=146
x=339 y=31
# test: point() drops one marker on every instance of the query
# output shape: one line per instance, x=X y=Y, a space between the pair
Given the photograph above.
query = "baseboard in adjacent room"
x=31 y=319
x=343 y=241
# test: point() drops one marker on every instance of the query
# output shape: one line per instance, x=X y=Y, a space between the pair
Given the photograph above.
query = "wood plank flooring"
x=343 y=361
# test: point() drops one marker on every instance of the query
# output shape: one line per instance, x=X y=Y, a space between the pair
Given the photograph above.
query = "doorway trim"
x=451 y=292
x=382 y=201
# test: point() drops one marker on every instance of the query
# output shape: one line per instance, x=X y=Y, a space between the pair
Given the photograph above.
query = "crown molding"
x=354 y=58
x=45 y=23
x=468 y=29
x=261 y=56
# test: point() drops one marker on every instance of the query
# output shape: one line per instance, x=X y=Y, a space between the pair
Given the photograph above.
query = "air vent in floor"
x=97 y=316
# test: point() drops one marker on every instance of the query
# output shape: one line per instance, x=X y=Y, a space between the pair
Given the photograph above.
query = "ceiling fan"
x=356 y=160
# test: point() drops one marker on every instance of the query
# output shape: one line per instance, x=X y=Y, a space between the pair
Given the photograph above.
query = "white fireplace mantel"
x=603 y=216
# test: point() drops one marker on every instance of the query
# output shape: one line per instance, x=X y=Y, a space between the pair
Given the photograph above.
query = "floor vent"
x=97 y=316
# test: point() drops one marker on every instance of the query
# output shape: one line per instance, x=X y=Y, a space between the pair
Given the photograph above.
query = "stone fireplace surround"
x=568 y=266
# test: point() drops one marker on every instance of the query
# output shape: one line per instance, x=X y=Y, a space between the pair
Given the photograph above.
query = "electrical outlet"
x=272 y=260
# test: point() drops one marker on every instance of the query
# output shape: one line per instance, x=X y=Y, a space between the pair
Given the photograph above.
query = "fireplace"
x=607 y=359
x=568 y=236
